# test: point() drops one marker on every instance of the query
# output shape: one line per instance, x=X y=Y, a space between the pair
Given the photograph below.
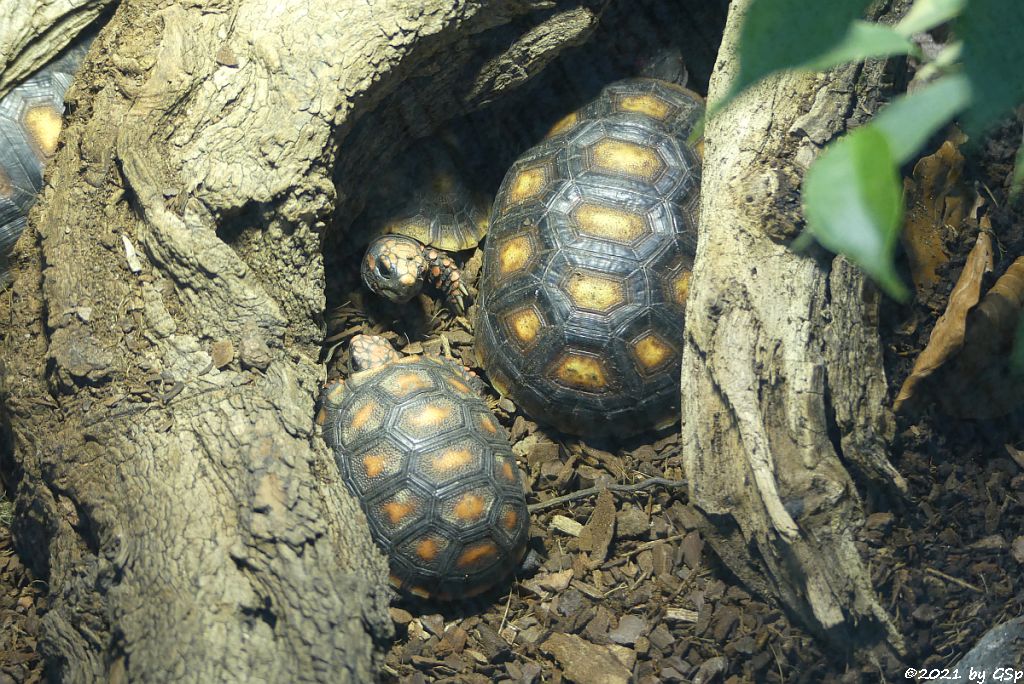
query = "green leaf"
x=863 y=41
x=790 y=34
x=908 y=121
x=697 y=132
x=781 y=34
x=1017 y=352
x=1017 y=184
x=993 y=54
x=926 y=14
x=853 y=204
x=946 y=58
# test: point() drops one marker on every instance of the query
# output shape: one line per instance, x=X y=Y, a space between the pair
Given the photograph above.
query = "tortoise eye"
x=383 y=269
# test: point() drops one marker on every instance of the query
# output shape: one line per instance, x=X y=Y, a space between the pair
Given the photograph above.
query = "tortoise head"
x=664 y=63
x=393 y=267
x=371 y=351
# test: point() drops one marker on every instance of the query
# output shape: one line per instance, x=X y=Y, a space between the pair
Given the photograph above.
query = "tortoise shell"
x=587 y=264
x=424 y=196
x=434 y=473
x=30 y=123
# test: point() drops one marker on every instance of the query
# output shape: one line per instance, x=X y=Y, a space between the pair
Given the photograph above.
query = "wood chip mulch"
x=22 y=601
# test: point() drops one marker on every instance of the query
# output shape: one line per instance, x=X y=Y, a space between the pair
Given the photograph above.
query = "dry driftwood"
x=160 y=343
x=782 y=383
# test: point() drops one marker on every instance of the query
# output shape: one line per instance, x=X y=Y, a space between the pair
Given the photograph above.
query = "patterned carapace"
x=30 y=122
x=587 y=264
x=422 y=209
x=432 y=468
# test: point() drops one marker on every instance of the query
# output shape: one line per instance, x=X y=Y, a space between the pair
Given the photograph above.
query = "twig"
x=504 y=618
x=615 y=488
x=650 y=544
x=173 y=396
x=690 y=579
x=954 y=580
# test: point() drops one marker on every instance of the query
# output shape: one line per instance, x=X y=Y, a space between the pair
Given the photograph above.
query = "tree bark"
x=160 y=366
x=783 y=384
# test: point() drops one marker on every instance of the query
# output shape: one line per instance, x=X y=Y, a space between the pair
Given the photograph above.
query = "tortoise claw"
x=447 y=278
x=458 y=298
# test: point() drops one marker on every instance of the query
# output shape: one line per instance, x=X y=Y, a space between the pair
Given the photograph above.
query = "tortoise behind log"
x=30 y=122
x=587 y=264
x=432 y=469
x=422 y=208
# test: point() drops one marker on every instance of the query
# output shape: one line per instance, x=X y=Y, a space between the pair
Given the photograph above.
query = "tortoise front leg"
x=446 y=277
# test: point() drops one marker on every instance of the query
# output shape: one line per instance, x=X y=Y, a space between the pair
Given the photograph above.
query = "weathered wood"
x=995 y=657
x=782 y=381
x=187 y=516
x=31 y=33
x=445 y=82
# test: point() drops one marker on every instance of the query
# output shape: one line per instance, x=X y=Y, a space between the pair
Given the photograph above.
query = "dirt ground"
x=626 y=588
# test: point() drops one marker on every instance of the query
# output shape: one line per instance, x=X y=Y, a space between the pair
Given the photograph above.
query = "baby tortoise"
x=30 y=123
x=396 y=266
x=587 y=264
x=423 y=209
x=432 y=469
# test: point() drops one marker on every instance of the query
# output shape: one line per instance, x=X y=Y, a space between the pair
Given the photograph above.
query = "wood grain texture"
x=187 y=516
x=782 y=382
x=31 y=33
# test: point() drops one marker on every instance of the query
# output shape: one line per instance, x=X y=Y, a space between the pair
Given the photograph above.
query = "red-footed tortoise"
x=422 y=209
x=587 y=264
x=30 y=123
x=432 y=468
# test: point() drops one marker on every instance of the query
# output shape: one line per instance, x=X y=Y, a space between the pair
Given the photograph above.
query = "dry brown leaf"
x=979 y=384
x=1016 y=454
x=937 y=201
x=947 y=337
x=993 y=324
x=555 y=581
x=599 y=531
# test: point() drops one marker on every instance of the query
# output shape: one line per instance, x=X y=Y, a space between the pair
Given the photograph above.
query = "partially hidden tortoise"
x=432 y=469
x=30 y=123
x=587 y=264
x=421 y=210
